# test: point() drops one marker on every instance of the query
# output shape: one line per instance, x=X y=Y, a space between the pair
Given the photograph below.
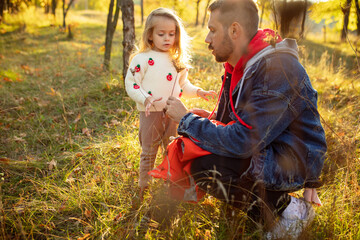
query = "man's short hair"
x=245 y=12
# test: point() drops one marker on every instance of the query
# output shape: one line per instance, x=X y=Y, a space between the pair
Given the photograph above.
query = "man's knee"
x=197 y=170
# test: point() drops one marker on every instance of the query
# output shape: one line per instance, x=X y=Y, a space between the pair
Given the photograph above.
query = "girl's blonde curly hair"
x=180 y=50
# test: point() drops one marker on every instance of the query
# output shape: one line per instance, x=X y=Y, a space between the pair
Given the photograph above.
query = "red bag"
x=176 y=165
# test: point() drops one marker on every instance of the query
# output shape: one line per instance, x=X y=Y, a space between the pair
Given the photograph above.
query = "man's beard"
x=226 y=49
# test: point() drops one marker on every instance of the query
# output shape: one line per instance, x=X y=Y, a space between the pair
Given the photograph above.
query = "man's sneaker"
x=294 y=219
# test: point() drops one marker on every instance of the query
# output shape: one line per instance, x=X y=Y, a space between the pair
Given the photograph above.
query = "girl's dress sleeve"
x=189 y=90
x=134 y=79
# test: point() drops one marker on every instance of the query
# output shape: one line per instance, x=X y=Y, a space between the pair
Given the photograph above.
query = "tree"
x=333 y=13
x=358 y=16
x=65 y=10
x=205 y=14
x=290 y=14
x=265 y=6
x=142 y=11
x=346 y=11
x=53 y=7
x=197 y=12
x=112 y=21
x=127 y=10
x=2 y=8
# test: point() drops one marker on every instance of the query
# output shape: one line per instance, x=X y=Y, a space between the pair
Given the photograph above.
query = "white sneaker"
x=294 y=219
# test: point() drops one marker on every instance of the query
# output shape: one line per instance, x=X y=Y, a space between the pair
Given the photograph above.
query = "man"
x=275 y=143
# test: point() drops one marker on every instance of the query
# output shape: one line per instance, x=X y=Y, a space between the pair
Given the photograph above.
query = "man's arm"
x=269 y=116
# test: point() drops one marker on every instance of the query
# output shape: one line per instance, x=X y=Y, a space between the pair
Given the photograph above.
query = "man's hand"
x=148 y=103
x=202 y=113
x=175 y=109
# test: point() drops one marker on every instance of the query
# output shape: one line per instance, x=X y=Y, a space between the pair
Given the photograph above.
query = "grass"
x=69 y=150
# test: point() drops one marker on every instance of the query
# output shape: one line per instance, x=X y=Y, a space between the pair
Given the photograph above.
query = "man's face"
x=218 y=38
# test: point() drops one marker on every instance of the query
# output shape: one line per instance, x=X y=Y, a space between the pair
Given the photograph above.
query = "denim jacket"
x=287 y=143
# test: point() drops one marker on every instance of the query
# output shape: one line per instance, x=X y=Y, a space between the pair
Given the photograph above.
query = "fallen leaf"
x=79 y=154
x=52 y=93
x=4 y=160
x=86 y=132
x=114 y=122
x=77 y=118
x=118 y=217
x=77 y=170
x=52 y=164
x=86 y=236
x=18 y=139
x=116 y=146
x=6 y=79
x=129 y=165
x=70 y=179
x=102 y=48
x=341 y=134
x=25 y=67
x=87 y=213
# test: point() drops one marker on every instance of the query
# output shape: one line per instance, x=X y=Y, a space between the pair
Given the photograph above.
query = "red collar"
x=260 y=41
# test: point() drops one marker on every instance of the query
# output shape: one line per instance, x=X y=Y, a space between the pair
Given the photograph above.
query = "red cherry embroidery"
x=151 y=61
x=137 y=68
x=169 y=77
x=181 y=92
x=136 y=86
x=149 y=92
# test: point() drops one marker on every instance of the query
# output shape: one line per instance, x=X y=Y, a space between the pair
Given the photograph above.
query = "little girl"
x=156 y=72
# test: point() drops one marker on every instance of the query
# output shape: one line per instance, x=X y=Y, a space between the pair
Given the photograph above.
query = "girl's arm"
x=134 y=78
x=189 y=89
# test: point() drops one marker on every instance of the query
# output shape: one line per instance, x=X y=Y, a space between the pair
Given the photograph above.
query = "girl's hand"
x=203 y=94
x=148 y=103
x=202 y=113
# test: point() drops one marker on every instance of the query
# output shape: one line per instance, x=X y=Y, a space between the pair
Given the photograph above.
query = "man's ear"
x=235 y=30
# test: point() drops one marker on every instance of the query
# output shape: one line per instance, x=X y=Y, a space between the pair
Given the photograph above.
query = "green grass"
x=69 y=149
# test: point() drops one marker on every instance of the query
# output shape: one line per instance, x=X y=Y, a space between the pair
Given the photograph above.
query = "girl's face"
x=163 y=35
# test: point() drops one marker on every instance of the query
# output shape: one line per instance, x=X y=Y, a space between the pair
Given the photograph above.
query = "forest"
x=69 y=148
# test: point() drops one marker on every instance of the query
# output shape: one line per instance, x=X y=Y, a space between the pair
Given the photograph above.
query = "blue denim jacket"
x=287 y=143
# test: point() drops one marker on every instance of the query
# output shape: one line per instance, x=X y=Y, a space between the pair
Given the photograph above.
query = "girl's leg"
x=151 y=132
x=170 y=130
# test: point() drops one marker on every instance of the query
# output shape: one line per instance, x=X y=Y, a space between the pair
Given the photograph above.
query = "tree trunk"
x=65 y=11
x=262 y=13
x=303 y=21
x=197 y=12
x=346 y=11
x=205 y=14
x=110 y=30
x=358 y=17
x=275 y=14
x=53 y=7
x=127 y=9
x=2 y=7
x=284 y=20
x=46 y=7
x=142 y=11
